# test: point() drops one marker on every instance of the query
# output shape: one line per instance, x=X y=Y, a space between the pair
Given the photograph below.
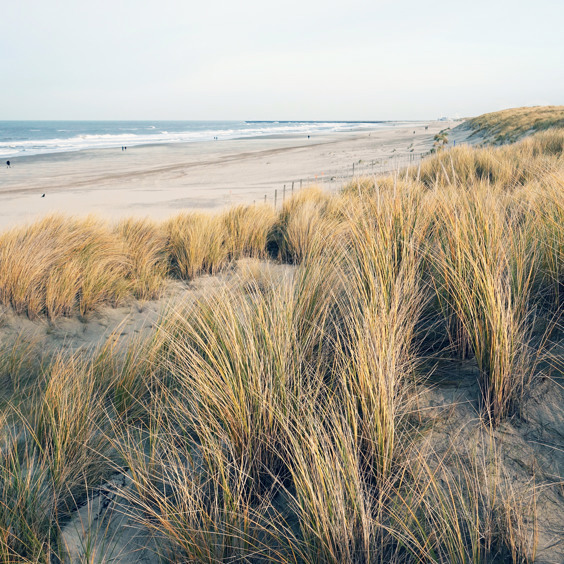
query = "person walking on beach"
x=8 y=164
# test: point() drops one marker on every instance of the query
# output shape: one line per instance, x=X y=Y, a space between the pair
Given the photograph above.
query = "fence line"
x=334 y=178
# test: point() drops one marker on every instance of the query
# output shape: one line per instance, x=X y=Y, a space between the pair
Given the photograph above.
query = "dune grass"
x=276 y=419
x=61 y=266
x=247 y=230
x=486 y=259
x=57 y=265
x=507 y=126
x=145 y=247
x=195 y=244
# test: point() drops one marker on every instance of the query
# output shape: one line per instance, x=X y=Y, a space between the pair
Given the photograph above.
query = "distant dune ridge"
x=368 y=374
x=510 y=125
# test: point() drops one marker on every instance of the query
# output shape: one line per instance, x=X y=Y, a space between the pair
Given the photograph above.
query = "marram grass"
x=275 y=420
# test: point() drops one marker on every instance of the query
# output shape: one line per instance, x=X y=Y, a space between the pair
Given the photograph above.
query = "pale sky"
x=289 y=59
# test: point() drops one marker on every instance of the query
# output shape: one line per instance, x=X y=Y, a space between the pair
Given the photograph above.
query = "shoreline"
x=224 y=135
x=159 y=180
x=67 y=154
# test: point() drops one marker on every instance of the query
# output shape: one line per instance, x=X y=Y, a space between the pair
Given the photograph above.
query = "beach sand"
x=160 y=180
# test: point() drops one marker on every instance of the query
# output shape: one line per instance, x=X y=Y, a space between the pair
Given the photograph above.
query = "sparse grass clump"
x=461 y=509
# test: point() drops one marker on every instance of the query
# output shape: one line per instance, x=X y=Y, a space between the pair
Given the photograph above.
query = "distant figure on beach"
x=308 y=136
x=8 y=164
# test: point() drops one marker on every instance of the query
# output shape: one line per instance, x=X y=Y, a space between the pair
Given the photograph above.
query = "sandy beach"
x=160 y=180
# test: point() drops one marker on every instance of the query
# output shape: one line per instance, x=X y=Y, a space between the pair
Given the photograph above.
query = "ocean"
x=19 y=138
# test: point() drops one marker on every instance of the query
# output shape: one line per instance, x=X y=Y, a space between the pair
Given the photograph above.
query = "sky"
x=282 y=60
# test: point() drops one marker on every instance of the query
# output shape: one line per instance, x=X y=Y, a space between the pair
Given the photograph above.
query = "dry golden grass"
x=247 y=230
x=58 y=264
x=274 y=419
x=145 y=247
x=509 y=167
x=196 y=244
x=383 y=299
x=306 y=218
x=486 y=258
x=509 y=125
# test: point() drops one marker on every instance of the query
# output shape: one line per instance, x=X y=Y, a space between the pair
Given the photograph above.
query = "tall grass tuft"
x=145 y=247
x=247 y=230
x=196 y=244
x=58 y=264
x=486 y=260
x=301 y=221
x=240 y=360
x=380 y=306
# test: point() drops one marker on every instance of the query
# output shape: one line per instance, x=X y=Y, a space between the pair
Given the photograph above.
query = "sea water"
x=19 y=138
